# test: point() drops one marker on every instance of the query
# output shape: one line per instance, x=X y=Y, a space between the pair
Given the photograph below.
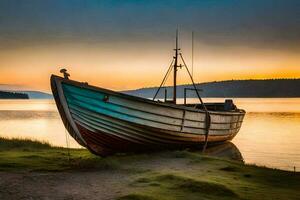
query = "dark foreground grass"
x=179 y=174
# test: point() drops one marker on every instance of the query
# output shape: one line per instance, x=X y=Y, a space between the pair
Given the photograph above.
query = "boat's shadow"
x=225 y=150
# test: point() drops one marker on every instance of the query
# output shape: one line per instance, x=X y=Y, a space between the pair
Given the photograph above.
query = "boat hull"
x=106 y=122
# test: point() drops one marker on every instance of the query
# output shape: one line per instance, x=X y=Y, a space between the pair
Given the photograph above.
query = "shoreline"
x=28 y=165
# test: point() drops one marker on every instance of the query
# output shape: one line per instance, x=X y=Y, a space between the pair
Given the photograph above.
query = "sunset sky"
x=128 y=44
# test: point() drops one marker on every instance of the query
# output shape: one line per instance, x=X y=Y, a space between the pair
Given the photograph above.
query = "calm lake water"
x=270 y=134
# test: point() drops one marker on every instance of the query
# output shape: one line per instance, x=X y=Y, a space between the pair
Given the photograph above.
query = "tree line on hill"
x=13 y=95
x=231 y=88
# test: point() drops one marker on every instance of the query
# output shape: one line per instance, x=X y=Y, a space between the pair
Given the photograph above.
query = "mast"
x=175 y=68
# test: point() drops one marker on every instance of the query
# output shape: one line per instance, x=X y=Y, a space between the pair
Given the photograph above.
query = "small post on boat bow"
x=65 y=73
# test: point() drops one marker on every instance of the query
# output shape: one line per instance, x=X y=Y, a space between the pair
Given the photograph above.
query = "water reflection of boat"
x=225 y=150
x=105 y=121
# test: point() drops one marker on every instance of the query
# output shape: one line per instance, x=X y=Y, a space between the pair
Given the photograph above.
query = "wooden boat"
x=106 y=121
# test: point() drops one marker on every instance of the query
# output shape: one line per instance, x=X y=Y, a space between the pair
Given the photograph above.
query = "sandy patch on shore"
x=63 y=185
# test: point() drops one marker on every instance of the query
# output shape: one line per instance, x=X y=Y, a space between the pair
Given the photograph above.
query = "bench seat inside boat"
x=227 y=106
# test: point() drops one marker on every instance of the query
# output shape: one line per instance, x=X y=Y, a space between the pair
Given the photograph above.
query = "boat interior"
x=227 y=106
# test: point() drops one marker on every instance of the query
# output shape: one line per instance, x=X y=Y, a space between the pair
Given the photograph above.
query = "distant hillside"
x=232 y=88
x=32 y=94
x=38 y=95
x=13 y=95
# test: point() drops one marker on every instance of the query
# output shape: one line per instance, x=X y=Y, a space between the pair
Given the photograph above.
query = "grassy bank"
x=163 y=175
x=30 y=155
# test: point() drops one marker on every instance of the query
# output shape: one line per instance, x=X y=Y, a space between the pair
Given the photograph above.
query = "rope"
x=68 y=144
x=207 y=115
x=164 y=80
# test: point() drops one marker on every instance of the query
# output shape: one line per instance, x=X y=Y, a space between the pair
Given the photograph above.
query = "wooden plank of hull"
x=96 y=98
x=221 y=129
x=105 y=121
x=139 y=138
x=150 y=119
x=103 y=143
x=146 y=118
x=97 y=121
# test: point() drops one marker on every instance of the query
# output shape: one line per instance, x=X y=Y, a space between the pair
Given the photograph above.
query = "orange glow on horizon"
x=110 y=67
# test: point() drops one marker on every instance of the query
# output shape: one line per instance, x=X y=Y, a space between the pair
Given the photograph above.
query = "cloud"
x=258 y=23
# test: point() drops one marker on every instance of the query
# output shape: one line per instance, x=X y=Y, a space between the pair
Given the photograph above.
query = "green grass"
x=22 y=144
x=207 y=177
x=186 y=186
x=167 y=175
x=25 y=154
x=191 y=185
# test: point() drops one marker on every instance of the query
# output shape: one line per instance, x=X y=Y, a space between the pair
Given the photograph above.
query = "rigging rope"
x=207 y=115
x=164 y=79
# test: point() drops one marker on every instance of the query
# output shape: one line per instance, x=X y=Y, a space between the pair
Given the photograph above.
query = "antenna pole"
x=175 y=68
